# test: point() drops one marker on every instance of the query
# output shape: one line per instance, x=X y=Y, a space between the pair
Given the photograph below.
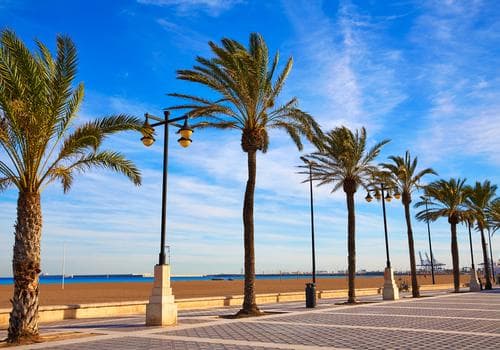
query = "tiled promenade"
x=445 y=321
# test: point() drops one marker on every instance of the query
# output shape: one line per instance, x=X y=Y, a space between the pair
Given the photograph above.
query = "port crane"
x=425 y=264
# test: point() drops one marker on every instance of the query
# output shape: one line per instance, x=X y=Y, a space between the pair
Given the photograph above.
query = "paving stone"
x=406 y=310
x=353 y=338
x=456 y=305
x=136 y=343
x=396 y=322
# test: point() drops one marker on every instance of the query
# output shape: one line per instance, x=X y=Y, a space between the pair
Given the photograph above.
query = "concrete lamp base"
x=474 y=282
x=161 y=310
x=390 y=290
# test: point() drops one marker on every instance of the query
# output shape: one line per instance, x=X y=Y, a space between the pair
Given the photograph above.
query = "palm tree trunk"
x=411 y=247
x=249 y=303
x=351 y=246
x=487 y=272
x=23 y=322
x=454 y=256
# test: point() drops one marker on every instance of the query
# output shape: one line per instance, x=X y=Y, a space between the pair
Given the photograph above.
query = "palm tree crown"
x=404 y=175
x=493 y=214
x=446 y=199
x=342 y=159
x=39 y=106
x=248 y=91
x=478 y=200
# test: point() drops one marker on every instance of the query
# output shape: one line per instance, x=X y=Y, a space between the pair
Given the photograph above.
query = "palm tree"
x=247 y=91
x=403 y=173
x=447 y=199
x=479 y=198
x=38 y=106
x=342 y=159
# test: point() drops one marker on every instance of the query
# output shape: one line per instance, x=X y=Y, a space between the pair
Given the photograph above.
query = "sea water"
x=57 y=279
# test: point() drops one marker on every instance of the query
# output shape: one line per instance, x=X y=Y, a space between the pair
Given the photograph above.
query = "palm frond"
x=105 y=159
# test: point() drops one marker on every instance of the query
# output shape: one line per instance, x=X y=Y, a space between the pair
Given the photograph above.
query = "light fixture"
x=377 y=195
x=147 y=132
x=397 y=195
x=186 y=133
x=388 y=197
x=368 y=197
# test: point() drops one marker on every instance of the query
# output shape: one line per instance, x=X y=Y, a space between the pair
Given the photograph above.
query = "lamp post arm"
x=161 y=121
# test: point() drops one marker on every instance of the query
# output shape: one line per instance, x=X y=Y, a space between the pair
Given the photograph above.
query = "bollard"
x=310 y=295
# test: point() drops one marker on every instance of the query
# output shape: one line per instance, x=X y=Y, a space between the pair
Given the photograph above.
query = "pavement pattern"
x=440 y=321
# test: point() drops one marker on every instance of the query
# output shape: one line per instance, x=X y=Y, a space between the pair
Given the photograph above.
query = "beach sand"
x=84 y=293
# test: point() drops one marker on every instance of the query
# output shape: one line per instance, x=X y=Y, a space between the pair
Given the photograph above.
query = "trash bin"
x=310 y=295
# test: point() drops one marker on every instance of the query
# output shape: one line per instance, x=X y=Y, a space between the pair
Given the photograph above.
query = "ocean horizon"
x=127 y=278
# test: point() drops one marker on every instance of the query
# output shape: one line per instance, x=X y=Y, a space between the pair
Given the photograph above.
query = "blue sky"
x=422 y=73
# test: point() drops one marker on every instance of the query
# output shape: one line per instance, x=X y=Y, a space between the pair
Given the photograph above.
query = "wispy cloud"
x=184 y=37
x=187 y=7
x=456 y=39
x=355 y=79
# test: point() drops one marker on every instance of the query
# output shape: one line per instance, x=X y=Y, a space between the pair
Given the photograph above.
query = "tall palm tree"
x=447 y=199
x=342 y=159
x=247 y=88
x=478 y=199
x=403 y=173
x=38 y=105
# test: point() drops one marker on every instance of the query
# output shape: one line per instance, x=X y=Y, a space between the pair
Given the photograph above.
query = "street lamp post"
x=426 y=200
x=491 y=257
x=390 y=289
x=474 y=285
x=311 y=287
x=161 y=309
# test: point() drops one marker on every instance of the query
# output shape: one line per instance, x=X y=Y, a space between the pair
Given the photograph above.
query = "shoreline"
x=88 y=293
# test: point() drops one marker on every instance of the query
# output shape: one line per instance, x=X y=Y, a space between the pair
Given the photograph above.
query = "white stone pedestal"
x=390 y=290
x=161 y=310
x=474 y=283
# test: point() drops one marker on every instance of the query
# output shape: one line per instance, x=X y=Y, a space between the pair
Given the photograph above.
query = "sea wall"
x=64 y=312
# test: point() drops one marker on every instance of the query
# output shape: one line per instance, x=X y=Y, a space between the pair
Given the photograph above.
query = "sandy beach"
x=83 y=293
